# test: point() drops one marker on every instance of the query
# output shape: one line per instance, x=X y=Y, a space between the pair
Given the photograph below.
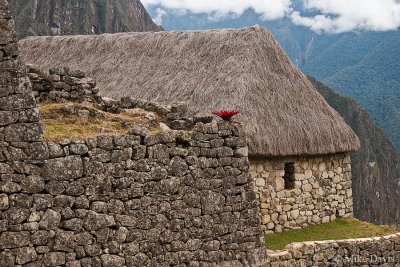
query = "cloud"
x=336 y=16
x=160 y=13
x=268 y=9
x=333 y=16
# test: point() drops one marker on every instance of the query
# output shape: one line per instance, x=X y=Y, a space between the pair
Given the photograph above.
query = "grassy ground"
x=336 y=230
x=59 y=124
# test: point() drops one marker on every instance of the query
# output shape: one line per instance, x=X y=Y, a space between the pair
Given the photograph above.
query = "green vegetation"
x=374 y=83
x=336 y=230
x=101 y=8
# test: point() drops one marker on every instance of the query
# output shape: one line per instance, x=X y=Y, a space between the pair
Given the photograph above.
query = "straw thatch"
x=242 y=69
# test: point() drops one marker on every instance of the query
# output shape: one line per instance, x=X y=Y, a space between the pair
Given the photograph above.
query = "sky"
x=332 y=16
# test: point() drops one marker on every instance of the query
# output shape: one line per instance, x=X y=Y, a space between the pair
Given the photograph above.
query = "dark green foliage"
x=375 y=83
x=375 y=167
x=101 y=15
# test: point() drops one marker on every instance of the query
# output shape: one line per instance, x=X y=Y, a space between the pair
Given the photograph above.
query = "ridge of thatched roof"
x=243 y=69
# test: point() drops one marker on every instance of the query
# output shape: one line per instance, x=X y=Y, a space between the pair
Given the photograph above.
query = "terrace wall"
x=379 y=251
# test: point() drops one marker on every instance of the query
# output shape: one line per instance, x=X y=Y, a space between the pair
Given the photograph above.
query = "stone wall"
x=379 y=251
x=169 y=199
x=62 y=85
x=319 y=191
x=177 y=198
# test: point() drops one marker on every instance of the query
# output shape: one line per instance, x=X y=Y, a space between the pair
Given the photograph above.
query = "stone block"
x=242 y=152
x=337 y=179
x=307 y=188
x=33 y=184
x=279 y=184
x=23 y=132
x=4 y=202
x=50 y=220
x=95 y=221
x=299 y=176
x=14 y=240
x=308 y=174
x=8 y=117
x=67 y=168
x=260 y=182
x=54 y=259
x=78 y=149
x=7 y=259
x=178 y=167
x=26 y=255
x=112 y=260
x=17 y=102
x=211 y=202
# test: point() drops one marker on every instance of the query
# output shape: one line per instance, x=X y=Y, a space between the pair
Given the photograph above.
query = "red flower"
x=226 y=115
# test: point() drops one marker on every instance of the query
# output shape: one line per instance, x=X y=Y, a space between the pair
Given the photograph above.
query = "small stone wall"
x=321 y=191
x=379 y=251
x=62 y=85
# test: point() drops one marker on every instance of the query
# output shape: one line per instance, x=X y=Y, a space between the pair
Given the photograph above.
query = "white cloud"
x=160 y=13
x=268 y=9
x=336 y=16
x=332 y=16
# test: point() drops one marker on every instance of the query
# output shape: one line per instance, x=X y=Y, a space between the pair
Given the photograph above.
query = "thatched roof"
x=242 y=69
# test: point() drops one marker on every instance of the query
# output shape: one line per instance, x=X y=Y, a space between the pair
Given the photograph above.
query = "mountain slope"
x=375 y=83
x=332 y=53
x=66 y=17
x=375 y=167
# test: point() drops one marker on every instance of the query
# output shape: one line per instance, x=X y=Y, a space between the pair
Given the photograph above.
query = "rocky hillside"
x=66 y=17
x=375 y=168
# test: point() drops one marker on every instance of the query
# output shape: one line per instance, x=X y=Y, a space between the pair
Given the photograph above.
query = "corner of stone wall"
x=20 y=131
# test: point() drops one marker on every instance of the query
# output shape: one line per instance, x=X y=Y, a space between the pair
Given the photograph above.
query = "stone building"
x=298 y=145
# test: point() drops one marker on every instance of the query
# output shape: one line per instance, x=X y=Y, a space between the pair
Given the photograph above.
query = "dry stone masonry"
x=62 y=85
x=20 y=132
x=185 y=196
x=135 y=200
x=317 y=191
x=379 y=251
x=320 y=187
x=177 y=198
